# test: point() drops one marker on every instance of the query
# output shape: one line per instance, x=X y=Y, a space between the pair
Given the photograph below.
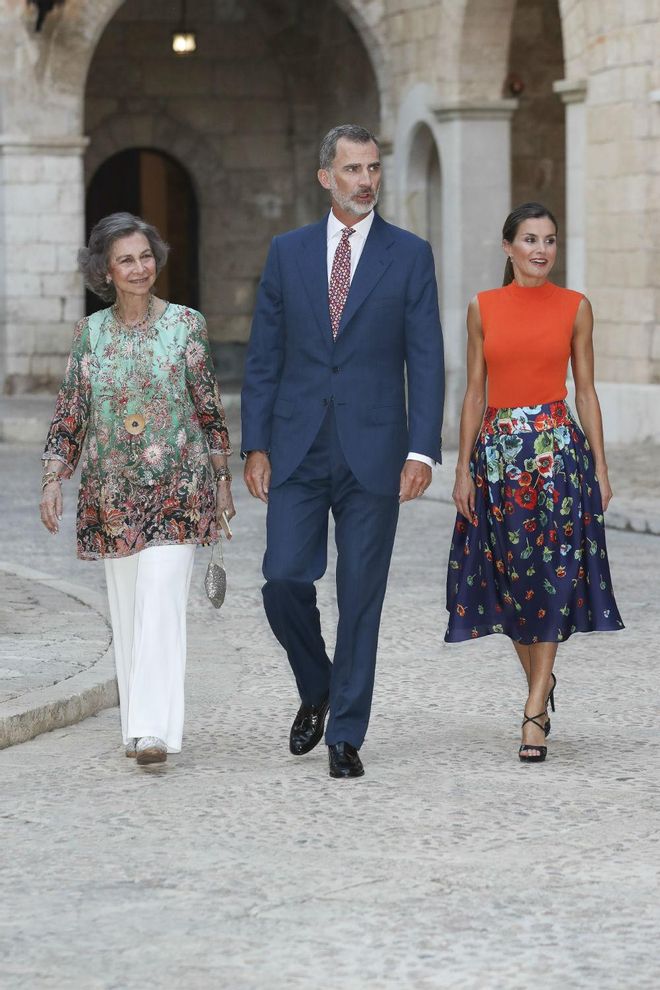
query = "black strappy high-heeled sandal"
x=551 y=700
x=526 y=747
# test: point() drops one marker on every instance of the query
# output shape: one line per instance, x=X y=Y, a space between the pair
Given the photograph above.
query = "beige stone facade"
x=481 y=104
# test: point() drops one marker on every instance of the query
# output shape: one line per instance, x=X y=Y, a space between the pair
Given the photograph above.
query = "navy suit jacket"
x=294 y=368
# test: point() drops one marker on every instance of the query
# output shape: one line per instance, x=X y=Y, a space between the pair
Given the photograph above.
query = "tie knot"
x=346 y=233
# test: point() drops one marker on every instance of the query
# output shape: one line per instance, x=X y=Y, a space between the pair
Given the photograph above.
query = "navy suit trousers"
x=296 y=557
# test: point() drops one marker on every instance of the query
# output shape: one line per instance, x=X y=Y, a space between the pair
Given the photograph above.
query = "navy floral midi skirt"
x=532 y=563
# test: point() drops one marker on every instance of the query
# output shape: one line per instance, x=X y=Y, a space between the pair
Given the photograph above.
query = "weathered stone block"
x=604 y=121
x=177 y=78
x=61 y=284
x=70 y=201
x=19 y=169
x=66 y=259
x=73 y=308
x=30 y=199
x=251 y=152
x=48 y=367
x=36 y=309
x=54 y=339
x=22 y=229
x=22 y=284
x=32 y=258
x=20 y=336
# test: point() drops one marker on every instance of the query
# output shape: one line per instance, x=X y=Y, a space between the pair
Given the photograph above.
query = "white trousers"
x=148 y=594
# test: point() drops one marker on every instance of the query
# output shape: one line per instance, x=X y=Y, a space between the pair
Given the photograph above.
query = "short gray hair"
x=352 y=132
x=93 y=260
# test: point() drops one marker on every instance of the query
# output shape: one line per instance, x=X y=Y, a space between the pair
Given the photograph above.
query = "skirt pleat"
x=532 y=563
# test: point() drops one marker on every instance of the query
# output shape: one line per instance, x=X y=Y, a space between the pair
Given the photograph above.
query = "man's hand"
x=257 y=474
x=415 y=479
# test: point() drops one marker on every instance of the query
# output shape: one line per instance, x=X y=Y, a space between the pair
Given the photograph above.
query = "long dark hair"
x=528 y=211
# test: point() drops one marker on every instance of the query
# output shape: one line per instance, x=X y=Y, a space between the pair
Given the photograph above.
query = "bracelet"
x=223 y=474
x=49 y=477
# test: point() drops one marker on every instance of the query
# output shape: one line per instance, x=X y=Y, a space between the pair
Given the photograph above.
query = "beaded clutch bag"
x=215 y=582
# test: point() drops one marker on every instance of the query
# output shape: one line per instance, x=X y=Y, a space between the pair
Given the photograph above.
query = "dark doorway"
x=154 y=186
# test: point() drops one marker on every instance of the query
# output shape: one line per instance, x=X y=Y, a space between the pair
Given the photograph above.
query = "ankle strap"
x=533 y=718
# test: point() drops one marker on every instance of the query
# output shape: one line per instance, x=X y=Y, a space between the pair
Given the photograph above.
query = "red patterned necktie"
x=340 y=280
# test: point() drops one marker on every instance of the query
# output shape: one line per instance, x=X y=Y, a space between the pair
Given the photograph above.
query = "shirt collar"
x=362 y=228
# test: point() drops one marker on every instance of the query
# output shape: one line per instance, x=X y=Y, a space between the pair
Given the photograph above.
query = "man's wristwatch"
x=223 y=474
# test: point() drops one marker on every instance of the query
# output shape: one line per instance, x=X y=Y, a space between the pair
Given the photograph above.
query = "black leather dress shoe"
x=307 y=729
x=344 y=760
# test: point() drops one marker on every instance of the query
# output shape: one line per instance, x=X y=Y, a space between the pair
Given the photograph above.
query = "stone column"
x=573 y=93
x=475 y=150
x=42 y=210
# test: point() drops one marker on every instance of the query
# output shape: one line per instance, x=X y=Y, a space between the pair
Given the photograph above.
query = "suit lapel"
x=374 y=262
x=313 y=264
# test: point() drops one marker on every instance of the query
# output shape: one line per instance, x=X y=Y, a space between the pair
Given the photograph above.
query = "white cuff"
x=422 y=458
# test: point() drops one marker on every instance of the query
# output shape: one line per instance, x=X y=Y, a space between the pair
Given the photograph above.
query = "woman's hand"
x=50 y=506
x=223 y=500
x=605 y=487
x=464 y=493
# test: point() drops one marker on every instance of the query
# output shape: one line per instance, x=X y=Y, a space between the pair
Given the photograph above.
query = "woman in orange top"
x=528 y=555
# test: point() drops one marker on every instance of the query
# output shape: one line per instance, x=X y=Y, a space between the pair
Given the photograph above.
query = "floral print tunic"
x=155 y=486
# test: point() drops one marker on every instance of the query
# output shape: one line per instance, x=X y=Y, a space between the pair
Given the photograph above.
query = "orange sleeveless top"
x=527 y=342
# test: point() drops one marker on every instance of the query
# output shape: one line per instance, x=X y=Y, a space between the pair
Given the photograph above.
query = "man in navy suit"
x=347 y=310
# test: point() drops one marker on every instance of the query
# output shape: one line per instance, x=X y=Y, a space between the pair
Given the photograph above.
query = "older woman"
x=528 y=557
x=140 y=387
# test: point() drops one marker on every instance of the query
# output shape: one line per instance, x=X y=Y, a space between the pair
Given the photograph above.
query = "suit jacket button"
x=335 y=369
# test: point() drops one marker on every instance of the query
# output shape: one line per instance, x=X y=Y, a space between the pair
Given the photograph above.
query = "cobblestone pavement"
x=237 y=866
x=34 y=655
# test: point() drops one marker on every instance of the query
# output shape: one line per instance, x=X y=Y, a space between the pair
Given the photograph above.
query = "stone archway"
x=75 y=31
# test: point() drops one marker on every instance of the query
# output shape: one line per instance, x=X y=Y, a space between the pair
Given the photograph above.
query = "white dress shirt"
x=357 y=241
